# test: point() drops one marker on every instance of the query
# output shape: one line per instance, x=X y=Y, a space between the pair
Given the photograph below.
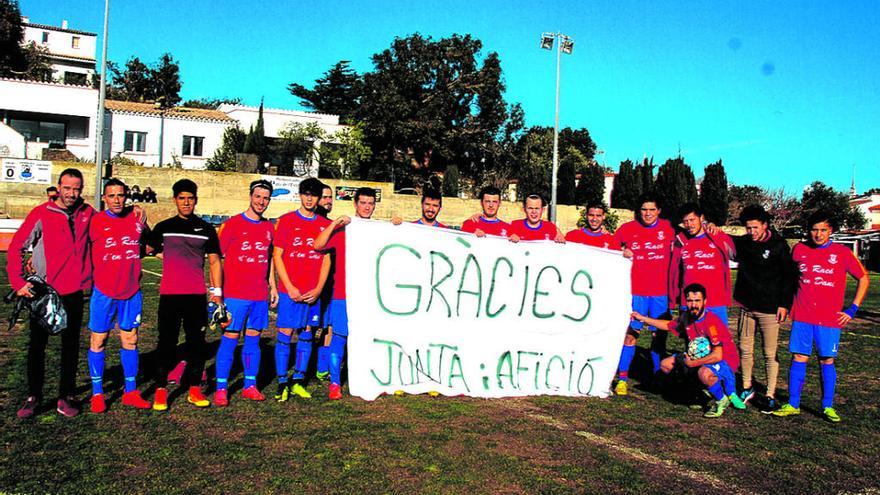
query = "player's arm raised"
x=324 y=237
x=654 y=322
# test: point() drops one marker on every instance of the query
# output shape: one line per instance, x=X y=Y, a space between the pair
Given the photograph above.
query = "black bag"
x=45 y=308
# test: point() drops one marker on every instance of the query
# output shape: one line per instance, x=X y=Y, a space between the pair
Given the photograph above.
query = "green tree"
x=12 y=56
x=625 y=192
x=342 y=155
x=255 y=141
x=451 y=182
x=38 y=67
x=210 y=103
x=675 y=185
x=428 y=104
x=224 y=157
x=714 y=194
x=337 y=92
x=818 y=196
x=741 y=196
x=644 y=173
x=591 y=187
x=165 y=81
x=566 y=177
x=134 y=82
x=294 y=151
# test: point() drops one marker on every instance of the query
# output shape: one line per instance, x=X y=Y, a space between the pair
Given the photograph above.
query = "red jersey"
x=435 y=224
x=116 y=254
x=651 y=247
x=822 y=282
x=337 y=245
x=295 y=234
x=545 y=231
x=711 y=327
x=702 y=260
x=245 y=245
x=598 y=239
x=490 y=227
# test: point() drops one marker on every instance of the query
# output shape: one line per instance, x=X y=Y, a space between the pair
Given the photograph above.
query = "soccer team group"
x=297 y=265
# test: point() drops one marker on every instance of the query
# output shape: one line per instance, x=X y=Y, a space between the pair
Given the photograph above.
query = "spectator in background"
x=52 y=193
x=148 y=196
x=136 y=196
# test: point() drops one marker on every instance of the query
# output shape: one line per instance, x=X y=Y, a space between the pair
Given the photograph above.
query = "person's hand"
x=635 y=315
x=711 y=228
x=343 y=220
x=476 y=217
x=781 y=314
x=396 y=220
x=559 y=237
x=479 y=233
x=688 y=361
x=311 y=296
x=627 y=253
x=513 y=238
x=139 y=213
x=216 y=300
x=845 y=316
x=25 y=291
x=273 y=297
x=294 y=294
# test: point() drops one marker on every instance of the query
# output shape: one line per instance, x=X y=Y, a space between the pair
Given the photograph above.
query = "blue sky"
x=785 y=92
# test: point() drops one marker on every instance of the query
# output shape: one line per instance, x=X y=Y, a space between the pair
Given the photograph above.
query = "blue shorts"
x=253 y=315
x=338 y=317
x=804 y=334
x=720 y=312
x=292 y=314
x=652 y=306
x=104 y=310
x=722 y=370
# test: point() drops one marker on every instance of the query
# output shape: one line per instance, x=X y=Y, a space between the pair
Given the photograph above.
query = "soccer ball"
x=699 y=348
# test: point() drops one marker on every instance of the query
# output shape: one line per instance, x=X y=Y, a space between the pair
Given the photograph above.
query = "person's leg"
x=658 y=306
x=287 y=320
x=238 y=309
x=827 y=340
x=195 y=319
x=746 y=330
x=70 y=336
x=339 y=320
x=36 y=359
x=168 y=327
x=769 y=328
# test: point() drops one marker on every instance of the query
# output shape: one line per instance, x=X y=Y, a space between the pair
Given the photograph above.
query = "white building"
x=186 y=135
x=71 y=52
x=47 y=115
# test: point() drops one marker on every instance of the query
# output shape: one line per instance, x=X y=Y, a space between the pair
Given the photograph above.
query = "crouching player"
x=116 y=236
x=816 y=314
x=716 y=370
x=333 y=239
x=245 y=242
x=303 y=272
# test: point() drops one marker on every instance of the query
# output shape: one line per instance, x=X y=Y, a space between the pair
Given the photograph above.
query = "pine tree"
x=233 y=143
x=451 y=180
x=675 y=185
x=625 y=192
x=566 y=177
x=591 y=188
x=645 y=176
x=714 y=194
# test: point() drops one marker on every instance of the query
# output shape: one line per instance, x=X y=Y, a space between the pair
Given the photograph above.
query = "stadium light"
x=566 y=44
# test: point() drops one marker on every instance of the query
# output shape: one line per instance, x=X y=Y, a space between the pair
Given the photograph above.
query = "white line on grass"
x=671 y=466
x=151 y=273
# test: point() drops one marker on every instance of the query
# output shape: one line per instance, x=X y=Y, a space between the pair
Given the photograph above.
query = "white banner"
x=439 y=310
x=284 y=188
x=32 y=171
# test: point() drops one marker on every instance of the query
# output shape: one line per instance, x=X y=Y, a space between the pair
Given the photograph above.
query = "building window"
x=74 y=43
x=75 y=78
x=192 y=145
x=37 y=131
x=45 y=37
x=135 y=141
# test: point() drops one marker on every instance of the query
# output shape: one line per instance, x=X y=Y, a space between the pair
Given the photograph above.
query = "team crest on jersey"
x=832 y=259
x=660 y=235
x=766 y=254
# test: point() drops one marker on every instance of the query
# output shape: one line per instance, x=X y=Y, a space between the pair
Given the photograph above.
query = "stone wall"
x=226 y=193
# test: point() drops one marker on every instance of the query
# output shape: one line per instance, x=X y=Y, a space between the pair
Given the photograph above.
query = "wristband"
x=851 y=311
x=216 y=291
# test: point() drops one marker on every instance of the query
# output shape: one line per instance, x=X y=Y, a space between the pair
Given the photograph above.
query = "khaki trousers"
x=749 y=322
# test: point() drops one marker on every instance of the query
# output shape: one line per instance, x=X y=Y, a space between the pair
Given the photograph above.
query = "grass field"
x=416 y=444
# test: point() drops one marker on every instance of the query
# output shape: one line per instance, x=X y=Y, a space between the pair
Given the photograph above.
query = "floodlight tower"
x=565 y=45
